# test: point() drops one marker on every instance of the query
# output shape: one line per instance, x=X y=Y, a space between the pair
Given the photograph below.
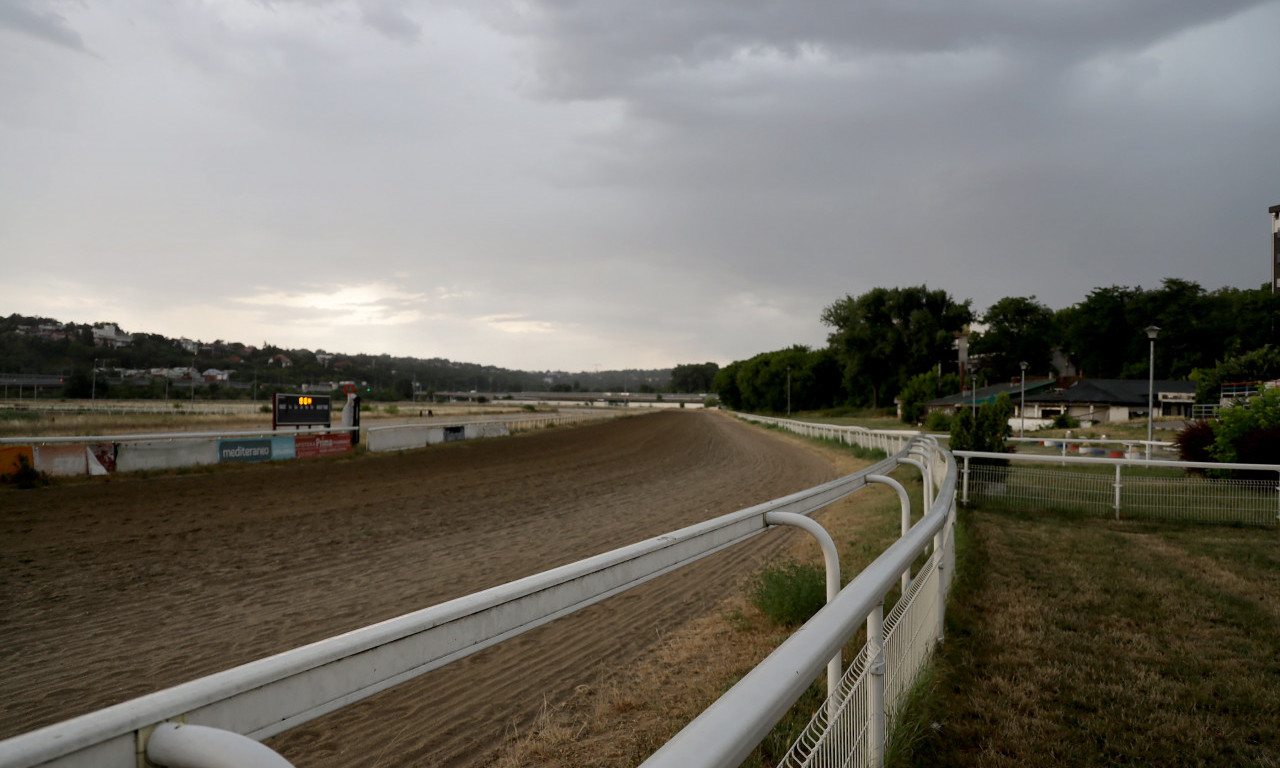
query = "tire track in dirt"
x=115 y=589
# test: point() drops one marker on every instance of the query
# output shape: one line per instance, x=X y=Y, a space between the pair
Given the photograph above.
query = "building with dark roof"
x=1107 y=400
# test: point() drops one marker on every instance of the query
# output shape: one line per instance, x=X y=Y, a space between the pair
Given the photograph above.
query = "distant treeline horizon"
x=901 y=343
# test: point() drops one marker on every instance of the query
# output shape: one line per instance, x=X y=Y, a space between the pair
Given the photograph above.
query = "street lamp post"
x=1152 y=332
x=1022 y=401
x=973 y=376
x=93 y=385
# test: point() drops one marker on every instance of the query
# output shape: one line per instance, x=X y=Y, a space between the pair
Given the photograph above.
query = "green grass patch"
x=1087 y=642
x=788 y=592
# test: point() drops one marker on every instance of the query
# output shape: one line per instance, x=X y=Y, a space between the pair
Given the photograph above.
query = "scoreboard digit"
x=300 y=411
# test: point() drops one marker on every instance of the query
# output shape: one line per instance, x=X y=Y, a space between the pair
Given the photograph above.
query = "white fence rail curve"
x=272 y=695
x=851 y=731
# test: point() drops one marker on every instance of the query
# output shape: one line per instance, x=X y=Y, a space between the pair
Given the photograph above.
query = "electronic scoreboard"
x=300 y=411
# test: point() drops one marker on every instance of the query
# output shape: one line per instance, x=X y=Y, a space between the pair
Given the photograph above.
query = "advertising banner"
x=282 y=447
x=12 y=456
x=315 y=446
x=251 y=449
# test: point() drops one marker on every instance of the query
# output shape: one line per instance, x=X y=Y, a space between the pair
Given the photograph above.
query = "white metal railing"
x=1122 y=487
x=726 y=732
x=888 y=441
x=272 y=695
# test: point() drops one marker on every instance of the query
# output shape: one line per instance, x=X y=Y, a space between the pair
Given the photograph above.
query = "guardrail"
x=1122 y=486
x=266 y=697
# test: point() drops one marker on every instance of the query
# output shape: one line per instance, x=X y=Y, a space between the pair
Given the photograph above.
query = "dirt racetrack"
x=109 y=590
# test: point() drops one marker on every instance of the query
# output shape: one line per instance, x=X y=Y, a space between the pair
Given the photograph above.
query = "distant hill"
x=145 y=364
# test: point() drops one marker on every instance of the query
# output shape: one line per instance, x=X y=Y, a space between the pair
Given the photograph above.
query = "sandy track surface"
x=115 y=589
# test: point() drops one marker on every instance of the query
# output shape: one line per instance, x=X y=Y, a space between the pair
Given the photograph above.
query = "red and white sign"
x=315 y=446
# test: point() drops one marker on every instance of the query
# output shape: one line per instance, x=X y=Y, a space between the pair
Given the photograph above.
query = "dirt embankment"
x=114 y=589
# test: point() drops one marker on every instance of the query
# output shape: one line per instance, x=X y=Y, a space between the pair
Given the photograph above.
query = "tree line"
x=900 y=342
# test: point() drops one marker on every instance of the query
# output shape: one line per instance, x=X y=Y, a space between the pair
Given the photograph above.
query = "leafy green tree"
x=1261 y=364
x=1098 y=334
x=1019 y=329
x=887 y=335
x=725 y=385
x=694 y=378
x=987 y=430
x=922 y=388
x=1249 y=433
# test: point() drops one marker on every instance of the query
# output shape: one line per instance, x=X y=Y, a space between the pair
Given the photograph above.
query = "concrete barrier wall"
x=487 y=429
x=396 y=439
x=415 y=436
x=62 y=460
x=165 y=454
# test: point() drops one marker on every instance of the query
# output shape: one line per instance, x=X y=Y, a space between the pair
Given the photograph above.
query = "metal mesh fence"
x=1150 y=497
x=910 y=632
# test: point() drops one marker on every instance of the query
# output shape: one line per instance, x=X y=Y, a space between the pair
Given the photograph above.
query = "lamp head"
x=1152 y=331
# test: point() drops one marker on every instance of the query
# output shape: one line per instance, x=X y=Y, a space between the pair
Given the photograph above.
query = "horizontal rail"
x=272 y=695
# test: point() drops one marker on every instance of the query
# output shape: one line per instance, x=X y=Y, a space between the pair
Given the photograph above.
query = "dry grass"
x=628 y=713
x=1082 y=642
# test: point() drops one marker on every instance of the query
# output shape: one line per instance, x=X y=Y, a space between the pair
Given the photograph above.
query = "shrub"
x=392 y=409
x=1237 y=425
x=937 y=421
x=1065 y=421
x=788 y=592
x=1195 y=442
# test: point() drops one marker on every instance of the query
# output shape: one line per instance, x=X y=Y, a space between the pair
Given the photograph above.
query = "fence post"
x=905 y=503
x=831 y=559
x=876 y=725
x=1118 y=486
x=964 y=493
x=940 y=540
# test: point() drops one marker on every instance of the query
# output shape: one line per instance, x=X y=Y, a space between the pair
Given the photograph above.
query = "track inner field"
x=115 y=589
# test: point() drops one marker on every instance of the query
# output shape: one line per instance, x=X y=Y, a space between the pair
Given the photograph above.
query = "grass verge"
x=1085 y=642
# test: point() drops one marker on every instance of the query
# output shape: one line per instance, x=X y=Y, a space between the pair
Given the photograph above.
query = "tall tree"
x=1098 y=333
x=1019 y=329
x=887 y=335
x=693 y=378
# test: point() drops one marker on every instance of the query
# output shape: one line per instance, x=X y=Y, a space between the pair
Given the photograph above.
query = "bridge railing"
x=269 y=696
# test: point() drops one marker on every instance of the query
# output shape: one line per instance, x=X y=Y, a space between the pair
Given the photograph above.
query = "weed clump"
x=788 y=592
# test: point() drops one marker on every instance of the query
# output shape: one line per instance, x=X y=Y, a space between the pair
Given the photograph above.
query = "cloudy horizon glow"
x=545 y=184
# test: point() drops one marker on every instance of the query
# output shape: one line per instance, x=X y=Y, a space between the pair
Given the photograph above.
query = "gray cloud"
x=560 y=185
x=39 y=21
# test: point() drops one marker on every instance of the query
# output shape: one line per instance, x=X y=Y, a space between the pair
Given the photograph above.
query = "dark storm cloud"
x=39 y=21
x=590 y=49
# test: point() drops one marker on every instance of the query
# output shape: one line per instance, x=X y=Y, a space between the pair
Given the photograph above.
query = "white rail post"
x=964 y=493
x=940 y=540
x=1118 y=486
x=924 y=471
x=905 y=502
x=831 y=558
x=876 y=725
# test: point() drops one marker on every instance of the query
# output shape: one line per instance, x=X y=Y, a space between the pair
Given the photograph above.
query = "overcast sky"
x=576 y=184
